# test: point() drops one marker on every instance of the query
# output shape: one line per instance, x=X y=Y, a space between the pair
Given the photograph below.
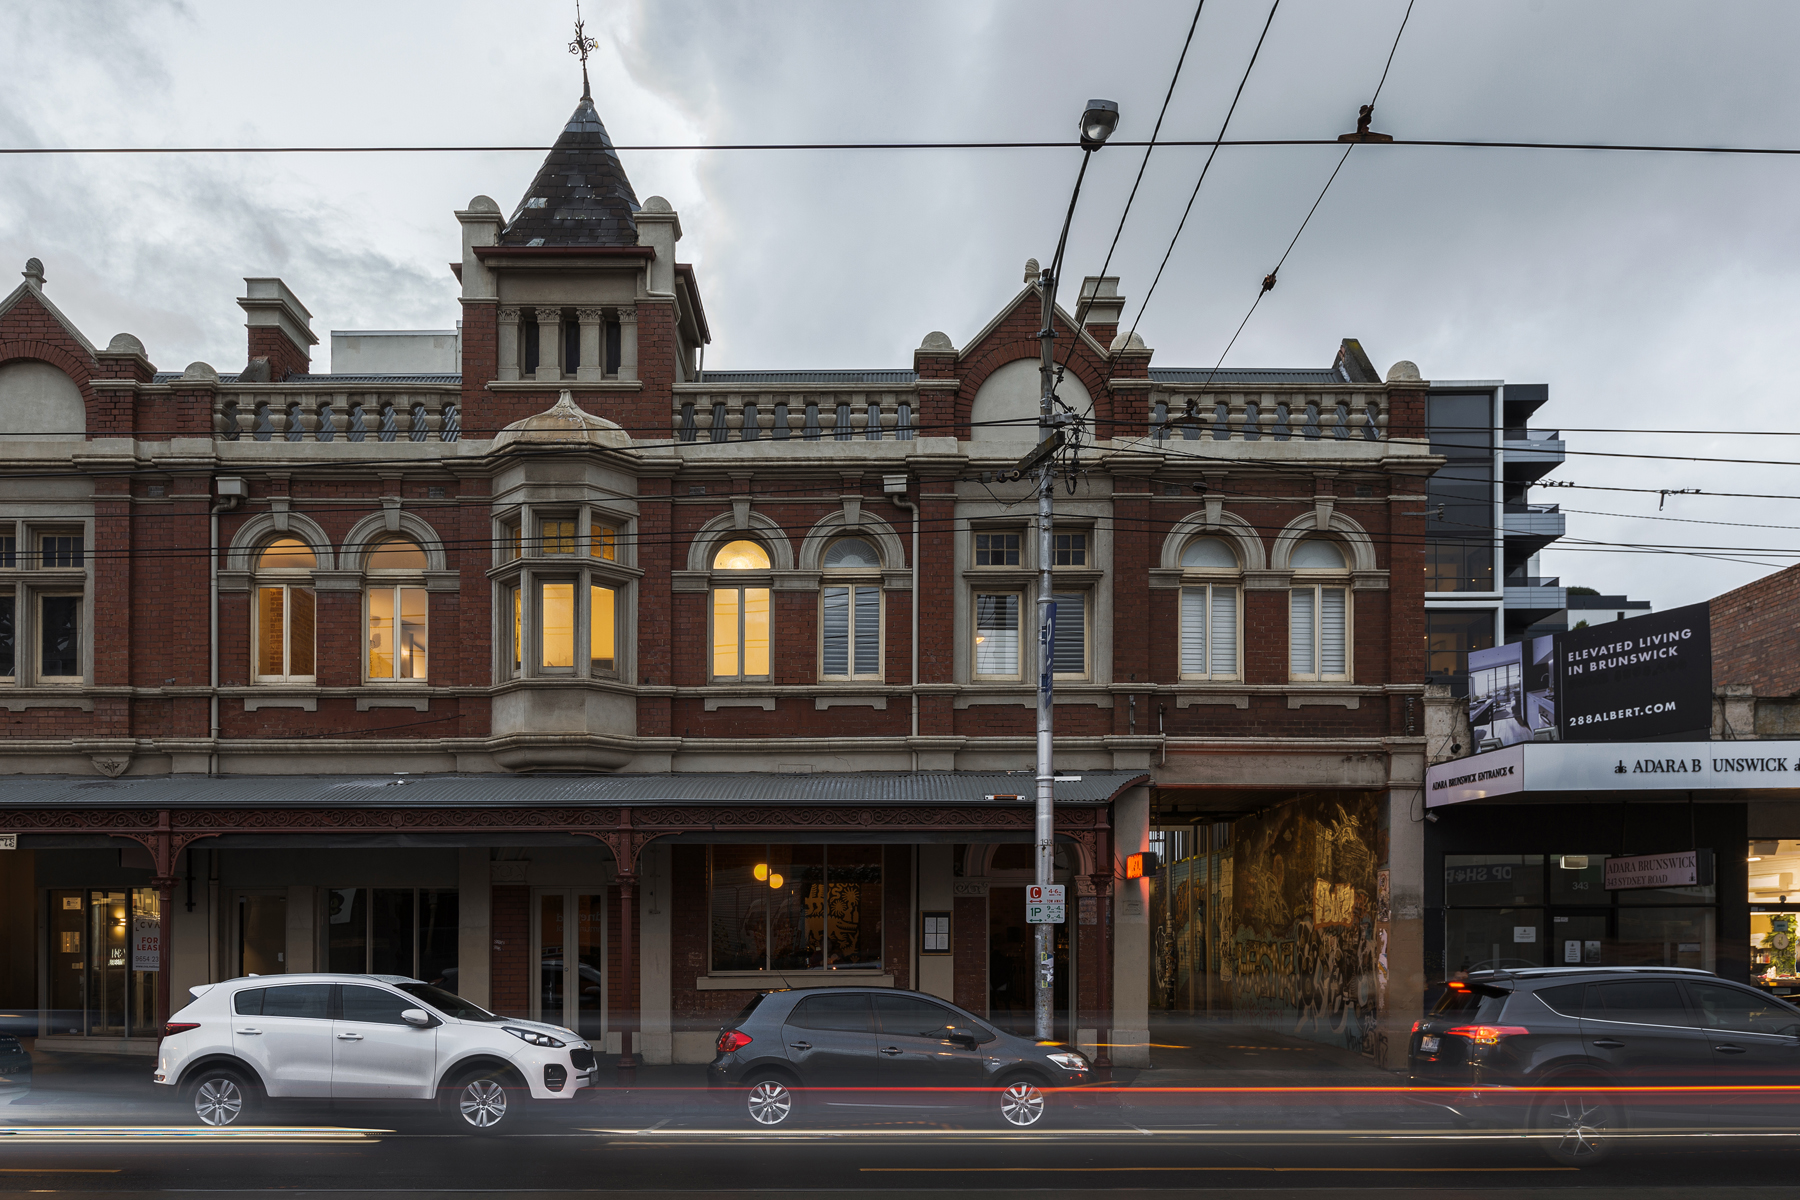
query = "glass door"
x=109 y=942
x=262 y=933
x=569 y=932
x=1581 y=939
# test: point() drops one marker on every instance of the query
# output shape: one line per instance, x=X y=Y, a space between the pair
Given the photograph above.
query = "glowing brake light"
x=733 y=1039
x=1487 y=1035
x=1455 y=986
x=1416 y=1025
x=175 y=1027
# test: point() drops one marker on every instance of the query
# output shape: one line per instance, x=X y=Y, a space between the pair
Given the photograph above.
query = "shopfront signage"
x=146 y=944
x=1616 y=767
x=1679 y=868
x=1644 y=679
x=1045 y=903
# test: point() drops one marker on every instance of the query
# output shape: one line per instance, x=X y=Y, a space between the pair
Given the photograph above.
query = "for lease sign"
x=1678 y=869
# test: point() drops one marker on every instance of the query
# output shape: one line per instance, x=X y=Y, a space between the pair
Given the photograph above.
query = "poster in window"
x=146 y=944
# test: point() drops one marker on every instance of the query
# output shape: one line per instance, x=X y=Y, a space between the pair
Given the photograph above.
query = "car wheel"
x=486 y=1102
x=1577 y=1127
x=220 y=1098
x=769 y=1102
x=1022 y=1103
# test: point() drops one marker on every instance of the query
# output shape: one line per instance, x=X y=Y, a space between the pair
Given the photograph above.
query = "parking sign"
x=1045 y=903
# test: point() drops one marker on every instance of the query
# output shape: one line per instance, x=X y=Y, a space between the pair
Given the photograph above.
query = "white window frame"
x=1021 y=598
x=726 y=580
x=1318 y=584
x=394 y=581
x=1208 y=587
x=286 y=581
x=856 y=581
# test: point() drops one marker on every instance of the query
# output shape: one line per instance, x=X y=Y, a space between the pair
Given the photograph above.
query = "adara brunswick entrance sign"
x=1679 y=868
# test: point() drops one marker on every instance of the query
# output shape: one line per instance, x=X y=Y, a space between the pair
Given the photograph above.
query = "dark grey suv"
x=845 y=1049
x=1578 y=1056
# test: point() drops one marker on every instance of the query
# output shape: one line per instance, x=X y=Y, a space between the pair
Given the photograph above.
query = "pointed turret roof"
x=581 y=196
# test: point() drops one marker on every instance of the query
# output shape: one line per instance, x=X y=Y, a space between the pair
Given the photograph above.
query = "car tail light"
x=733 y=1039
x=175 y=1027
x=1487 y=1035
x=1416 y=1025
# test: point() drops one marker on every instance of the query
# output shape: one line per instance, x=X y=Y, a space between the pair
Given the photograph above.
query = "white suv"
x=362 y=1037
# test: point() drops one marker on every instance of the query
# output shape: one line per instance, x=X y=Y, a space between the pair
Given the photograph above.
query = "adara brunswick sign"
x=1680 y=868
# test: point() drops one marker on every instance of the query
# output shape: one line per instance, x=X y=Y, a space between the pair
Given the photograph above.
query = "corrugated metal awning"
x=526 y=791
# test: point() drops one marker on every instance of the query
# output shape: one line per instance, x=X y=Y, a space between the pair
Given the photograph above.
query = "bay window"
x=558 y=603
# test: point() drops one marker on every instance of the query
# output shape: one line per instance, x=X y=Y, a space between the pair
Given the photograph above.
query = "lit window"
x=740 y=616
x=286 y=612
x=603 y=542
x=398 y=613
x=556 y=537
x=603 y=629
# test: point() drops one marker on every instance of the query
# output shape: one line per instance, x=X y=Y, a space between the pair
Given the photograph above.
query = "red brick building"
x=440 y=669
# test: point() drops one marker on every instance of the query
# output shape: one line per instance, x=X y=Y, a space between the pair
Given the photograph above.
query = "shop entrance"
x=568 y=932
x=100 y=985
x=261 y=933
x=1012 y=946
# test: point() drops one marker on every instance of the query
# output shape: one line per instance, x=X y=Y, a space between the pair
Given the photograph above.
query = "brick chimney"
x=281 y=335
x=1103 y=306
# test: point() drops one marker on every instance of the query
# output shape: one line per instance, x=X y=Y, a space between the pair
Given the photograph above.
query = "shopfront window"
x=1553 y=910
x=796 y=908
x=104 y=956
x=392 y=931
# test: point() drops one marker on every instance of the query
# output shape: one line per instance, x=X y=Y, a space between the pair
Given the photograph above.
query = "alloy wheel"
x=482 y=1103
x=770 y=1102
x=218 y=1101
x=1578 y=1126
x=1022 y=1104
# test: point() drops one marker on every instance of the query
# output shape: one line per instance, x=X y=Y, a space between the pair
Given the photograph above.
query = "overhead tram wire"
x=1269 y=280
x=697 y=148
x=1207 y=166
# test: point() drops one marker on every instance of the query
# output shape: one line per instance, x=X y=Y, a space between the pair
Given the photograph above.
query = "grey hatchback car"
x=849 y=1049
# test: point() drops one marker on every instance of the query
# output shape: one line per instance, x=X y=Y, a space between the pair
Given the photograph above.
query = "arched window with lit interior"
x=741 y=624
x=286 y=613
x=397 y=608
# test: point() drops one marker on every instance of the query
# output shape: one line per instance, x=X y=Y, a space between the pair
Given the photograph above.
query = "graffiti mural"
x=1303 y=955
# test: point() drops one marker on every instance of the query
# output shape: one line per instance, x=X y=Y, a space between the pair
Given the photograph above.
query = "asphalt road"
x=1098 y=1154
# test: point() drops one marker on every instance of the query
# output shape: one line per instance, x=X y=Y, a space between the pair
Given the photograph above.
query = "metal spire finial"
x=580 y=47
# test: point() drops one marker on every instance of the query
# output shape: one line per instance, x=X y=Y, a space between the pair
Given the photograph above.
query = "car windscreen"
x=448 y=1003
x=1476 y=1003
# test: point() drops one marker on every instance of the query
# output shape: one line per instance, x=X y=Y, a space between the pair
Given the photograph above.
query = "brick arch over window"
x=724 y=528
x=1013 y=336
x=1232 y=528
x=394 y=522
x=832 y=527
x=262 y=529
x=1346 y=533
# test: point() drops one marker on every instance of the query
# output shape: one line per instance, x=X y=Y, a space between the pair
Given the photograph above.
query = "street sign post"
x=1046 y=904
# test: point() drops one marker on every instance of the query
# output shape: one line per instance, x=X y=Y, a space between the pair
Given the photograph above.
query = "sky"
x=1654 y=294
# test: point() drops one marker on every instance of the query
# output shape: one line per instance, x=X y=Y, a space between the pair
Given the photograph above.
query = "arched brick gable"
x=1016 y=337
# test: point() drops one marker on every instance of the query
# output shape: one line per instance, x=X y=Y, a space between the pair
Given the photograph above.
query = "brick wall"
x=285 y=358
x=969 y=951
x=1756 y=635
x=510 y=959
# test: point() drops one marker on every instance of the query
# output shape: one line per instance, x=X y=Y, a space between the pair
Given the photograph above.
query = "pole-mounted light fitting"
x=1098 y=123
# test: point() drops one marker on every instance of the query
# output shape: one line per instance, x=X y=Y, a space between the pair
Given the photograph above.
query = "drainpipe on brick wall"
x=901 y=501
x=230 y=491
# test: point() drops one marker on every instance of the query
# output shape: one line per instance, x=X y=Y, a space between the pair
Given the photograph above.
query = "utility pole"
x=1097 y=123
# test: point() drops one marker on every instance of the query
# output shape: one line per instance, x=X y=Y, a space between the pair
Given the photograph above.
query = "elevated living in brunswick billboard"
x=1645 y=679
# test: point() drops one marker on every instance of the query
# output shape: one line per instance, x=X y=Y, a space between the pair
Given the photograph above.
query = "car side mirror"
x=416 y=1016
x=965 y=1040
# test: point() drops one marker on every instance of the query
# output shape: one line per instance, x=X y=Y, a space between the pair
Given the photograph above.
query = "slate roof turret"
x=581 y=196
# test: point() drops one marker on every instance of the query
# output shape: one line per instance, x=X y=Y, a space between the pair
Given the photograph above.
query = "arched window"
x=740 y=614
x=1211 y=582
x=1319 y=612
x=398 y=612
x=850 y=611
x=286 y=611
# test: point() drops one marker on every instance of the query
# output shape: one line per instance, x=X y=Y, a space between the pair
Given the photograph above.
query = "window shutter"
x=868 y=630
x=1070 y=657
x=1193 y=631
x=1224 y=631
x=837 y=631
x=1331 y=631
x=1300 y=632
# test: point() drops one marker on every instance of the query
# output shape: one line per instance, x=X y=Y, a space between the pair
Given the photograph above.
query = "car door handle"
x=349 y=1037
x=1728 y=1048
x=250 y=1031
x=801 y=1045
x=1608 y=1044
x=890 y=1051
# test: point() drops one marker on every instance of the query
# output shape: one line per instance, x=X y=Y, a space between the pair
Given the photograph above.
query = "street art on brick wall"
x=1303 y=955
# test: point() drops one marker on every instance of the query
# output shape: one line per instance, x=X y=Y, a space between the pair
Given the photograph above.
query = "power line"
x=1207 y=166
x=1060 y=145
